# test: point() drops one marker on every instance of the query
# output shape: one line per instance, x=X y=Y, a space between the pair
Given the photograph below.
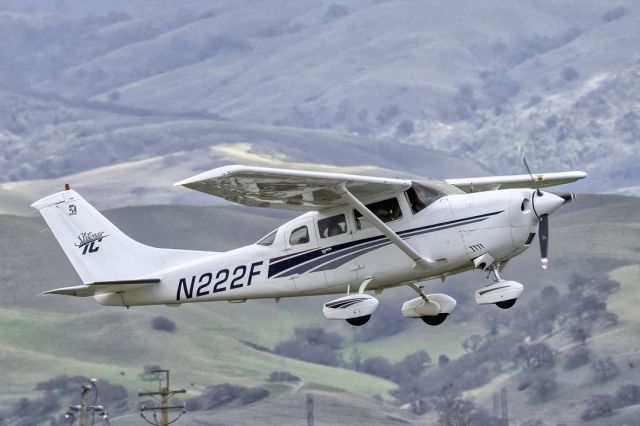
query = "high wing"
x=491 y=183
x=288 y=189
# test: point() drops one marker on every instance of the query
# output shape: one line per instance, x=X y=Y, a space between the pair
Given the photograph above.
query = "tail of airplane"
x=98 y=250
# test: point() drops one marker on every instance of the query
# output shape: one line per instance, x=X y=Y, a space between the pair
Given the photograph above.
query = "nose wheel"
x=501 y=293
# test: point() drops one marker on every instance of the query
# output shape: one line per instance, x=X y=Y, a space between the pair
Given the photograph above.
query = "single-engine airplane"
x=359 y=233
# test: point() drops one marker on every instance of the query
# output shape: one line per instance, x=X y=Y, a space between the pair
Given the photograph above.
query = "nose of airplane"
x=546 y=203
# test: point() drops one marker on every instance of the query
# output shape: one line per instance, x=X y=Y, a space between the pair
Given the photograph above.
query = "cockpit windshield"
x=268 y=239
x=423 y=193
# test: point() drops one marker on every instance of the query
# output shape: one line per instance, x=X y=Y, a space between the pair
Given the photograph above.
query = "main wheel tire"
x=506 y=304
x=358 y=321
x=435 y=320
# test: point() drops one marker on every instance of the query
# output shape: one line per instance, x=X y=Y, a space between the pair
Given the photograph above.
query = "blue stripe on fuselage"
x=326 y=258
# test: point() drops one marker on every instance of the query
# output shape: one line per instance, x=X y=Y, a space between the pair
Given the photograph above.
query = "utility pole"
x=165 y=393
x=496 y=405
x=84 y=409
x=501 y=405
x=505 y=405
x=82 y=421
x=309 y=410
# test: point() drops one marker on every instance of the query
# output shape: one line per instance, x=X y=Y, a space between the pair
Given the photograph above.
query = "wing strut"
x=388 y=232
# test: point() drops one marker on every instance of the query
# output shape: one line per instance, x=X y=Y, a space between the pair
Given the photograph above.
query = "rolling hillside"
x=123 y=98
x=106 y=83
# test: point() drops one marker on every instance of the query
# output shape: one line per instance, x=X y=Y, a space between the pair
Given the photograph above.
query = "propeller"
x=543 y=203
x=543 y=236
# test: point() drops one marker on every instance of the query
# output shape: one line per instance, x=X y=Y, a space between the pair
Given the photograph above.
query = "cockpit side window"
x=269 y=239
x=299 y=236
x=420 y=197
x=386 y=210
x=332 y=226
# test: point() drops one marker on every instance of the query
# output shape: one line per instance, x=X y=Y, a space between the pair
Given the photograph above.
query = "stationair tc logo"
x=88 y=241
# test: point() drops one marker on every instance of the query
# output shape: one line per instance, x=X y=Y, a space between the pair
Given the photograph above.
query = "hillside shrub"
x=598 y=406
x=443 y=360
x=312 y=344
x=411 y=366
x=36 y=408
x=614 y=14
x=250 y=395
x=404 y=371
x=605 y=369
x=163 y=324
x=569 y=73
x=282 y=376
x=577 y=357
x=377 y=366
x=471 y=343
x=535 y=356
x=387 y=321
x=543 y=383
x=579 y=333
x=218 y=395
x=627 y=395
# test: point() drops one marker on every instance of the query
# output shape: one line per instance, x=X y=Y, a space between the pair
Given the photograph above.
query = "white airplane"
x=359 y=234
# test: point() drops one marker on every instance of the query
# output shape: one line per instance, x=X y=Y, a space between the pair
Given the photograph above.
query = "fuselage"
x=330 y=251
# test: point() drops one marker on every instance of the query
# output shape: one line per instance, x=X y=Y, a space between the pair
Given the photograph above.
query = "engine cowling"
x=351 y=306
x=437 y=304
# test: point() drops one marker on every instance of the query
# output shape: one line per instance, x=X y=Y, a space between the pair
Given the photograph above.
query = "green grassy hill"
x=46 y=336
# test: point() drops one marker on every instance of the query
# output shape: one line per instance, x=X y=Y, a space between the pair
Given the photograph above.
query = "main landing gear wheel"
x=506 y=304
x=434 y=319
x=358 y=321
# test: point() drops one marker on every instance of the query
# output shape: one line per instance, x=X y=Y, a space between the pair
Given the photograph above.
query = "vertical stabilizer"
x=97 y=249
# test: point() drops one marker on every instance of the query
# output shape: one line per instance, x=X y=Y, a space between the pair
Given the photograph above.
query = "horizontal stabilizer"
x=102 y=287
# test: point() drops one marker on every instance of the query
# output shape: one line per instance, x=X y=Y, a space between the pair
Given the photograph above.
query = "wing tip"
x=210 y=174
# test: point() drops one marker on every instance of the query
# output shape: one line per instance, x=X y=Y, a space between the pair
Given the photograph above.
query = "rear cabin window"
x=299 y=236
x=386 y=210
x=332 y=226
x=268 y=240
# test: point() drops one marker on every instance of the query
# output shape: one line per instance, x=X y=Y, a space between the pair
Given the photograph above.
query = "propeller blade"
x=526 y=164
x=543 y=235
x=568 y=198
